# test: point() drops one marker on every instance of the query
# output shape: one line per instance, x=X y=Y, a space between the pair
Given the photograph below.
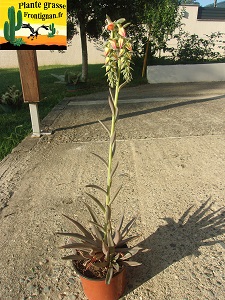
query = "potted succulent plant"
x=101 y=252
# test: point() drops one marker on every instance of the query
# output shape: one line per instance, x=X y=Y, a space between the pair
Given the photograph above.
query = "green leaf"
x=109 y=275
x=125 y=25
x=79 y=226
x=121 y=20
x=97 y=202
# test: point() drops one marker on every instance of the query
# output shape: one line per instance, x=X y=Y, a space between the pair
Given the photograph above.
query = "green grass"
x=15 y=126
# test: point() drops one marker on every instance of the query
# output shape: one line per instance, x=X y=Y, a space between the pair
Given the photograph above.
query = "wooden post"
x=30 y=85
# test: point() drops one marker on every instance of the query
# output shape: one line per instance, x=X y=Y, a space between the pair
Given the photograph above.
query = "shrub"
x=11 y=99
x=192 y=48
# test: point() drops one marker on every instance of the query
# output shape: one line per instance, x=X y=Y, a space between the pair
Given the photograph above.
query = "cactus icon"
x=10 y=27
x=52 y=28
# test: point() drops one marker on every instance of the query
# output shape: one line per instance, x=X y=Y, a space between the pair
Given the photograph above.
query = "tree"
x=189 y=2
x=89 y=16
x=161 y=20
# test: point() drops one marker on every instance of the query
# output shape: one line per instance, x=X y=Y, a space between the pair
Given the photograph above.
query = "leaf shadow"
x=176 y=240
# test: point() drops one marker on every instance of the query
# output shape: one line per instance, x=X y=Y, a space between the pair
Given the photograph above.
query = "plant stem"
x=112 y=145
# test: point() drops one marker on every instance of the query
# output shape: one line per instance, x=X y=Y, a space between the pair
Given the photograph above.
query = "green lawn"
x=15 y=126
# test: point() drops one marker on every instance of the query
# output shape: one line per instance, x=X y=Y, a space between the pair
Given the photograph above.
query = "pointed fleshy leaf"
x=97 y=232
x=108 y=19
x=116 y=267
x=128 y=226
x=124 y=242
x=98 y=225
x=110 y=240
x=122 y=250
x=96 y=187
x=109 y=275
x=80 y=246
x=122 y=85
x=131 y=263
x=116 y=194
x=101 y=158
x=117 y=238
x=104 y=126
x=92 y=213
x=121 y=20
x=107 y=213
x=111 y=104
x=73 y=257
x=114 y=170
x=120 y=223
x=112 y=138
x=105 y=248
x=132 y=251
x=101 y=264
x=78 y=236
x=125 y=25
x=117 y=256
x=97 y=202
x=111 y=95
x=79 y=226
x=114 y=149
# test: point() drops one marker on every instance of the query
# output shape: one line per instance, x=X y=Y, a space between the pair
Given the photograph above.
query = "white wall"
x=72 y=56
x=186 y=73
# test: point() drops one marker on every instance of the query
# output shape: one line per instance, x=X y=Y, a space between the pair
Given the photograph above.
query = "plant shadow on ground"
x=176 y=240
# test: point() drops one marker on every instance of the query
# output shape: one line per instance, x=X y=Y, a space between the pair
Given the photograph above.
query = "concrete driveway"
x=172 y=166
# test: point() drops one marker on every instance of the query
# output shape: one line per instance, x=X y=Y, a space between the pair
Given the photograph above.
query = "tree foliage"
x=162 y=20
x=189 y=2
x=89 y=16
